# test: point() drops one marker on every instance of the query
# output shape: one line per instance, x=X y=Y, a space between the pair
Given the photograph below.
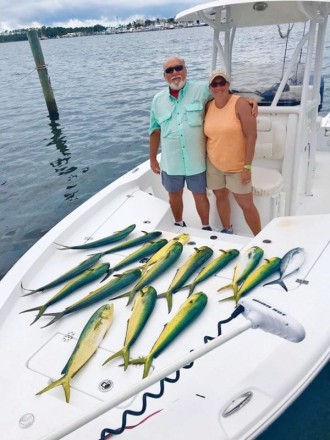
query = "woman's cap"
x=219 y=72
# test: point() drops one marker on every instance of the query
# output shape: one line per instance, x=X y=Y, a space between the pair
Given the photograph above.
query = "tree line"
x=59 y=32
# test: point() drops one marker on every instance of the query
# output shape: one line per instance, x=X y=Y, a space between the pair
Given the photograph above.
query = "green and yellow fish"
x=248 y=261
x=72 y=273
x=118 y=235
x=117 y=283
x=143 y=306
x=85 y=278
x=87 y=344
x=201 y=255
x=155 y=270
x=213 y=267
x=188 y=312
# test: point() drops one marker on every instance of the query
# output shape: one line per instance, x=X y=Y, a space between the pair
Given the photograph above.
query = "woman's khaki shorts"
x=217 y=179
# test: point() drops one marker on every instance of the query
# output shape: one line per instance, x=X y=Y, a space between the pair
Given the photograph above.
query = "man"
x=176 y=122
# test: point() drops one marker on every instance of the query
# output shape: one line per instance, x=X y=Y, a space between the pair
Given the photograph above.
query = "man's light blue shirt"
x=181 y=123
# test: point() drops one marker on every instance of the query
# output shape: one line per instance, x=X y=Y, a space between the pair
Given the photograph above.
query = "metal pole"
x=43 y=74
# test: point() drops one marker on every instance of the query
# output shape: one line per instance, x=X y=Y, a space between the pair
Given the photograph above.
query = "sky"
x=23 y=14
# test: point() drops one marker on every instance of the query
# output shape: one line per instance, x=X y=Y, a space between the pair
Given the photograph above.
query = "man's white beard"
x=177 y=85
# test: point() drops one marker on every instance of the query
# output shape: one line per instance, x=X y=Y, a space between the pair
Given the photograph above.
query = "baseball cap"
x=219 y=72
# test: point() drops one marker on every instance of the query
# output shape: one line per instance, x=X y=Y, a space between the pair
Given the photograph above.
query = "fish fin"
x=161 y=295
x=138 y=361
x=64 y=381
x=30 y=292
x=40 y=309
x=278 y=281
x=62 y=246
x=147 y=365
x=272 y=282
x=123 y=295
x=107 y=274
x=227 y=286
x=283 y=285
x=130 y=297
x=228 y=298
x=169 y=298
x=115 y=355
x=57 y=316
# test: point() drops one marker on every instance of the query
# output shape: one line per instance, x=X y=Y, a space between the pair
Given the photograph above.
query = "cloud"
x=21 y=14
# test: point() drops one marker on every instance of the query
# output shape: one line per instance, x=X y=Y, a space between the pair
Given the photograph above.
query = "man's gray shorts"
x=195 y=183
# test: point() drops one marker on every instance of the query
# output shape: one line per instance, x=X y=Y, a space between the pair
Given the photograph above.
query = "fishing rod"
x=259 y=315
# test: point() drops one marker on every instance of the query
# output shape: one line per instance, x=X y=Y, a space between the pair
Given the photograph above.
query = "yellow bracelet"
x=247 y=167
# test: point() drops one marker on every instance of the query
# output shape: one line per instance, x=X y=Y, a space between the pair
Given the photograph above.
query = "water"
x=103 y=87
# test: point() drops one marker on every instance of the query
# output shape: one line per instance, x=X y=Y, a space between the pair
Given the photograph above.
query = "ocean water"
x=103 y=86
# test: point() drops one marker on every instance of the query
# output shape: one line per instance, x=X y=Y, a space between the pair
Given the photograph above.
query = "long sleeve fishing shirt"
x=181 y=125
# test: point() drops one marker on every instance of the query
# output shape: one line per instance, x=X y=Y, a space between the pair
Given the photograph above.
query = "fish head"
x=182 y=238
x=106 y=311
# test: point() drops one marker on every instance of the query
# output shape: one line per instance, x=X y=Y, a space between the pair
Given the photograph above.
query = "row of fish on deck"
x=156 y=255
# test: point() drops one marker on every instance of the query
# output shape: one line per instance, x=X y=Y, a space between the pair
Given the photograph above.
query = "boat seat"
x=266 y=182
x=267 y=177
x=270 y=147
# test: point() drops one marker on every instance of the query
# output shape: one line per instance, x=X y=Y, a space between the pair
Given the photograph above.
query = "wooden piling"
x=43 y=74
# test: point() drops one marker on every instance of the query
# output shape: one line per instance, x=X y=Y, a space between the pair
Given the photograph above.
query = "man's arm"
x=154 y=143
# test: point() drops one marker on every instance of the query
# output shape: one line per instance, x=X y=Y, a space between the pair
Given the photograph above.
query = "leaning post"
x=43 y=74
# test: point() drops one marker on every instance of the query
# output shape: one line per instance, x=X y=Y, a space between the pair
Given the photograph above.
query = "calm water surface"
x=103 y=87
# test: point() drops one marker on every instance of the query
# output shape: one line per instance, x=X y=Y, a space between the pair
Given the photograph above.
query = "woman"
x=231 y=132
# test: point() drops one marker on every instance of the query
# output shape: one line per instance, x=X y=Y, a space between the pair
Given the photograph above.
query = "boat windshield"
x=260 y=58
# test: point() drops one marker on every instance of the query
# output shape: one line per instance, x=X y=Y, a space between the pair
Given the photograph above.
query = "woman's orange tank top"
x=225 y=140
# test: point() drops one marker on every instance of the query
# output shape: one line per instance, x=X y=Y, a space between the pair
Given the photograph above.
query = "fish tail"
x=147 y=365
x=107 y=274
x=62 y=246
x=168 y=296
x=191 y=288
x=228 y=298
x=30 y=292
x=169 y=299
x=57 y=316
x=40 y=309
x=64 y=381
x=123 y=295
x=130 y=297
x=126 y=357
x=227 y=286
x=278 y=281
x=113 y=356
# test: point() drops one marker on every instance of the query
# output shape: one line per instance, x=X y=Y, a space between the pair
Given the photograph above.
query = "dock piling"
x=43 y=74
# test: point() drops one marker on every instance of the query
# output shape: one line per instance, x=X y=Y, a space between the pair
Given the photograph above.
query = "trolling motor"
x=258 y=314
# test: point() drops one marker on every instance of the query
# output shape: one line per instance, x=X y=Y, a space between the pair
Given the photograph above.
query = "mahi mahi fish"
x=86 y=277
x=290 y=262
x=198 y=258
x=144 y=251
x=188 y=312
x=117 y=283
x=182 y=238
x=155 y=270
x=213 y=267
x=248 y=261
x=143 y=306
x=118 y=235
x=87 y=344
x=74 y=272
x=268 y=268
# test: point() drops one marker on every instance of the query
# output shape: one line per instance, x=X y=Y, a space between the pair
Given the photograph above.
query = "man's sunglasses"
x=218 y=83
x=177 y=68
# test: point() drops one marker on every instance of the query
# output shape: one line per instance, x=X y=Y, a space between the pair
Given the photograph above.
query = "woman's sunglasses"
x=221 y=83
